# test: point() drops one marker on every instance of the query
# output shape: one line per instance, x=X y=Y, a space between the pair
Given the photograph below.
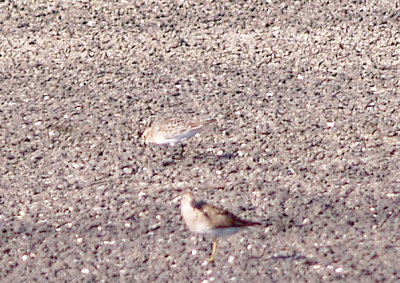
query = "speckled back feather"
x=176 y=127
x=220 y=218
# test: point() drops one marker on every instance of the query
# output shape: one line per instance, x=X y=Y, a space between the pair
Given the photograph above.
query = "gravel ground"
x=307 y=97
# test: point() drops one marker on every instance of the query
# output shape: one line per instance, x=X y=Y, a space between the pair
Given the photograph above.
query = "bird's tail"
x=263 y=223
x=210 y=121
x=200 y=124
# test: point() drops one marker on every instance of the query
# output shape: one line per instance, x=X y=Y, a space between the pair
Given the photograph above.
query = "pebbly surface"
x=306 y=94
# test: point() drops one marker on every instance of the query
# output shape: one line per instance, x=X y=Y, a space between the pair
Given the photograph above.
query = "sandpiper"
x=210 y=220
x=172 y=131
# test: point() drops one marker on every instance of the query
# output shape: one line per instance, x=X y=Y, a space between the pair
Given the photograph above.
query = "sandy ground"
x=307 y=97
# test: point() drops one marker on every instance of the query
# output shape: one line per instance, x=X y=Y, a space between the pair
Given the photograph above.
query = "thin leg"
x=214 y=251
x=179 y=155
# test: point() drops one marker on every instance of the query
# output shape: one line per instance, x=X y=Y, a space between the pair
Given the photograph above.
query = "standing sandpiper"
x=173 y=131
x=210 y=220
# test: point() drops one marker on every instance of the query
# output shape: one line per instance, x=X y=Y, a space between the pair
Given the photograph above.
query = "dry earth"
x=306 y=94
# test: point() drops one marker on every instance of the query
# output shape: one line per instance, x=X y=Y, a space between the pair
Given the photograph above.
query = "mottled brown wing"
x=199 y=124
x=175 y=127
x=221 y=218
x=194 y=124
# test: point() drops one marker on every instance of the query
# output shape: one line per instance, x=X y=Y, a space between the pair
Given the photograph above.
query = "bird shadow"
x=222 y=156
x=176 y=157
